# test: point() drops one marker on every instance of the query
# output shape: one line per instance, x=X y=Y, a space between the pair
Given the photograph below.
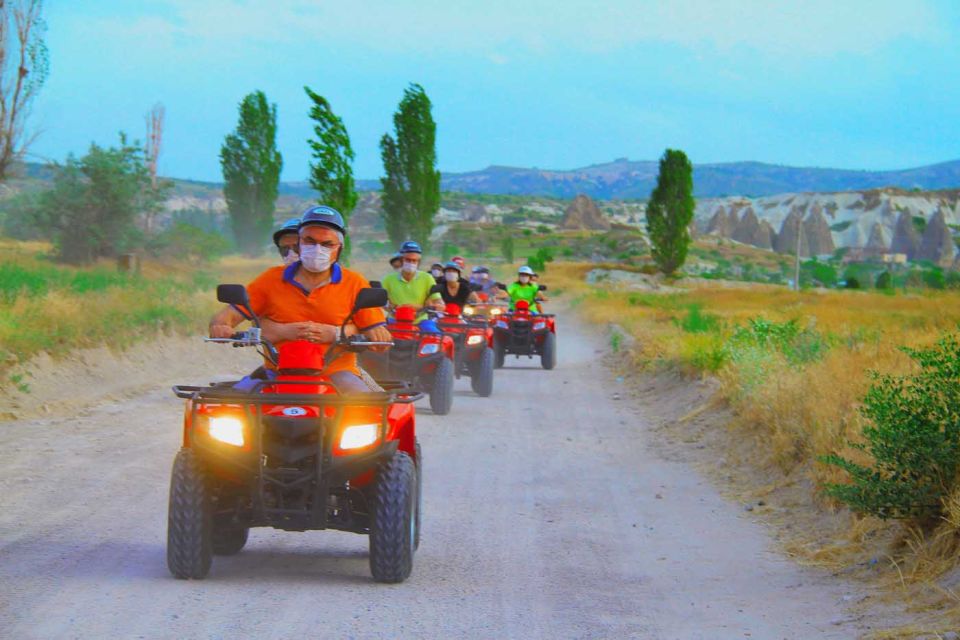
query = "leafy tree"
x=331 y=173
x=251 y=172
x=670 y=211
x=506 y=247
x=538 y=261
x=411 y=187
x=92 y=208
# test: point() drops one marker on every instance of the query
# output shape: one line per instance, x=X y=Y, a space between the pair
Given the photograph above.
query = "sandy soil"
x=548 y=513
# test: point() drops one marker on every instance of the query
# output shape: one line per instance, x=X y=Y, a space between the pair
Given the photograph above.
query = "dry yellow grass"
x=787 y=418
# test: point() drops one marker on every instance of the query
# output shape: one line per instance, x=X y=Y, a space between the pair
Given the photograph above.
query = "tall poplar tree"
x=670 y=211
x=411 y=187
x=331 y=172
x=251 y=172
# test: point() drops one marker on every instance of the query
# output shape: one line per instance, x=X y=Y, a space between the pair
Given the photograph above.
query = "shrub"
x=934 y=279
x=698 y=321
x=885 y=281
x=705 y=352
x=913 y=436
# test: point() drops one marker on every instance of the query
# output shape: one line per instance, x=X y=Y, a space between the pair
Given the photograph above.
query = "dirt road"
x=546 y=515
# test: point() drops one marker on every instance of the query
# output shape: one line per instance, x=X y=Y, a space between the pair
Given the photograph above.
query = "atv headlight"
x=359 y=435
x=468 y=310
x=537 y=326
x=495 y=311
x=227 y=429
x=503 y=324
x=475 y=340
x=429 y=348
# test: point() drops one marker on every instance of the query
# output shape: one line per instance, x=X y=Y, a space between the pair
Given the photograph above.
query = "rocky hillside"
x=921 y=225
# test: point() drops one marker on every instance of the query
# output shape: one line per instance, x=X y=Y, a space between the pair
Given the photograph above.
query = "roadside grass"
x=794 y=368
x=57 y=309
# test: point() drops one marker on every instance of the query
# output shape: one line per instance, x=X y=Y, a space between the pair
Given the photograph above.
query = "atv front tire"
x=441 y=395
x=548 y=352
x=189 y=519
x=499 y=353
x=416 y=542
x=393 y=526
x=228 y=541
x=481 y=374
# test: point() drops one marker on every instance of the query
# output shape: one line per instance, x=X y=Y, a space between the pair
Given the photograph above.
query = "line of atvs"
x=470 y=341
x=291 y=452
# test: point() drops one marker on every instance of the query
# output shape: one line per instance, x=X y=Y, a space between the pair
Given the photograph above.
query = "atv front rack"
x=297 y=492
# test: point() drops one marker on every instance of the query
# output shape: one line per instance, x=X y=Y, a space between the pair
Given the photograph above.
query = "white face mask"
x=409 y=267
x=436 y=273
x=291 y=257
x=315 y=257
x=452 y=276
x=524 y=279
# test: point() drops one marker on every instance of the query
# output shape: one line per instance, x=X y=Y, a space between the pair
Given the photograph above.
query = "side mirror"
x=370 y=298
x=542 y=287
x=233 y=294
x=376 y=284
x=236 y=296
x=500 y=285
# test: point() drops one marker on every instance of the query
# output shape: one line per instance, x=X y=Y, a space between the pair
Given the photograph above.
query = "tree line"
x=102 y=204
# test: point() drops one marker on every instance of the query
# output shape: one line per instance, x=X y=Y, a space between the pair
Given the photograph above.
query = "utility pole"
x=154 y=143
x=796 y=280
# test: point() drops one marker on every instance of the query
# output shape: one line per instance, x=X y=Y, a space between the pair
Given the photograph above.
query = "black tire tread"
x=548 y=355
x=441 y=395
x=391 y=554
x=189 y=520
x=482 y=379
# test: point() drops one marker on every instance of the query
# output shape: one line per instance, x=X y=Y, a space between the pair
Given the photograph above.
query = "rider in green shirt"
x=408 y=286
x=523 y=289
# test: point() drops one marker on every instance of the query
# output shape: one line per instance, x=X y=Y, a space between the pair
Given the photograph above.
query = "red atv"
x=523 y=333
x=292 y=453
x=473 y=341
x=423 y=359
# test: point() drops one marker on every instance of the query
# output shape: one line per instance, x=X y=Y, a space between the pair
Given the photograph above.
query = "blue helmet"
x=452 y=265
x=410 y=246
x=290 y=226
x=323 y=215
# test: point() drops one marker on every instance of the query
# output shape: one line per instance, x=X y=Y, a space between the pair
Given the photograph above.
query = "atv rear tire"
x=393 y=526
x=499 y=353
x=189 y=519
x=441 y=395
x=548 y=353
x=481 y=374
x=416 y=542
x=228 y=541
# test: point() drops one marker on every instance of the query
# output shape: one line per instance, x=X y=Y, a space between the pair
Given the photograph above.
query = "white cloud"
x=792 y=28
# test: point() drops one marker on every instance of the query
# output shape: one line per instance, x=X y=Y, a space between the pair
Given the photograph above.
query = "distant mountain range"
x=626 y=179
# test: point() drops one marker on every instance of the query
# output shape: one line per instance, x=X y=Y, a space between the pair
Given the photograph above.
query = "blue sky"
x=854 y=84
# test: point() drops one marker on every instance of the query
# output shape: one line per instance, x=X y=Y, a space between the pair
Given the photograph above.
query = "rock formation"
x=879 y=240
x=721 y=224
x=937 y=243
x=787 y=238
x=749 y=230
x=905 y=237
x=819 y=238
x=584 y=214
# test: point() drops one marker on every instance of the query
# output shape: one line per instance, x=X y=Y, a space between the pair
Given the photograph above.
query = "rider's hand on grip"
x=221 y=331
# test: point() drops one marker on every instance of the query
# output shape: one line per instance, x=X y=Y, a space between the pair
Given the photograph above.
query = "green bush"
x=913 y=436
x=934 y=279
x=698 y=321
x=885 y=281
x=798 y=345
x=183 y=240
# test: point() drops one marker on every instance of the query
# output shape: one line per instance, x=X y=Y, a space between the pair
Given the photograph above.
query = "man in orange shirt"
x=315 y=289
